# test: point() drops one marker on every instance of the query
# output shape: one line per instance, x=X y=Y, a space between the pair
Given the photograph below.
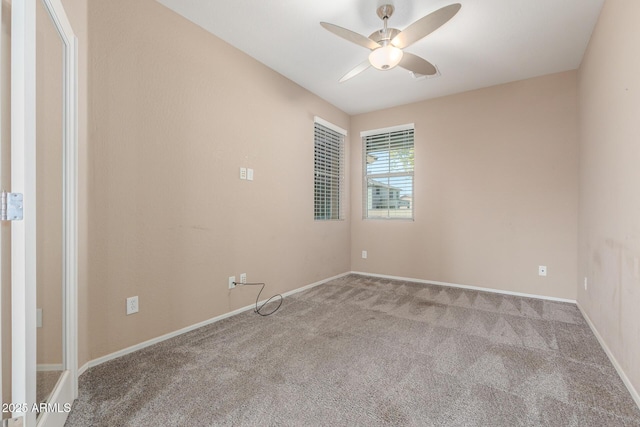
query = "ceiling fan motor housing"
x=379 y=36
x=385 y=11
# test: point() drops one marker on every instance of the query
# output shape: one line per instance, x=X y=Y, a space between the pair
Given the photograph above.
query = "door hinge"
x=11 y=209
x=13 y=422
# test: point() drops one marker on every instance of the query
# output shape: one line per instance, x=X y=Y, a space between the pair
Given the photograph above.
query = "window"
x=328 y=171
x=388 y=173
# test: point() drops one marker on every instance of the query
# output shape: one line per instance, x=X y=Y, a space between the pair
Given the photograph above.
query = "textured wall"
x=174 y=112
x=609 y=249
x=496 y=184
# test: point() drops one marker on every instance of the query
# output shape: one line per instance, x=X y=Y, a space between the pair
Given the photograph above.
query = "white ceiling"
x=488 y=42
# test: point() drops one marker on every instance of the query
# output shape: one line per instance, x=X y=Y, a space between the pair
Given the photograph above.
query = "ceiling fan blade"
x=357 y=70
x=351 y=36
x=417 y=65
x=425 y=26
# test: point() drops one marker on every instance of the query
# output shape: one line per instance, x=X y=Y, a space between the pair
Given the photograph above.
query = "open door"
x=43 y=135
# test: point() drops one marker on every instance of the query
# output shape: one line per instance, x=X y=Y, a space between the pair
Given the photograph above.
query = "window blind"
x=328 y=173
x=388 y=165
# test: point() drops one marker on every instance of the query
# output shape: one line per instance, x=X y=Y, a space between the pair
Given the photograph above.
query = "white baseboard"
x=62 y=395
x=474 y=288
x=634 y=393
x=124 y=351
x=119 y=353
x=614 y=362
x=114 y=355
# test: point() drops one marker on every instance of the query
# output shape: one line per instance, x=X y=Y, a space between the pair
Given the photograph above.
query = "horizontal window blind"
x=328 y=173
x=388 y=159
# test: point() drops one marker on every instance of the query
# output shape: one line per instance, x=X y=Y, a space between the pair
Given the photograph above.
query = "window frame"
x=366 y=137
x=337 y=136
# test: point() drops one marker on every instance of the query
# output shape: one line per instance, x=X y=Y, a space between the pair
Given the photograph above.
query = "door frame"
x=69 y=188
x=66 y=390
x=23 y=180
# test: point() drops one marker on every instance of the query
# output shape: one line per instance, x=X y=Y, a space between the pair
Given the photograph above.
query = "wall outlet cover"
x=132 y=305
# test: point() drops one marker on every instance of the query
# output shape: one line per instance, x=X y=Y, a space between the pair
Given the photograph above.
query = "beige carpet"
x=365 y=351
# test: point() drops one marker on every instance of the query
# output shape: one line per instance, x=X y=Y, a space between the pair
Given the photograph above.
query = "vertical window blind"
x=388 y=165
x=328 y=173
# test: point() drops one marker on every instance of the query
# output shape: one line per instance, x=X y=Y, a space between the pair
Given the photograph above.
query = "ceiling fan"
x=387 y=44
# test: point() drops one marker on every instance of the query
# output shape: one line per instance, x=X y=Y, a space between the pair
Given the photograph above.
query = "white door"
x=20 y=404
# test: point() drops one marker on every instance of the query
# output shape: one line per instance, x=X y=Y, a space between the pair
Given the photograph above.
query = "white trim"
x=2 y=112
x=329 y=125
x=82 y=369
x=125 y=351
x=634 y=393
x=62 y=24
x=56 y=11
x=387 y=130
x=23 y=180
x=61 y=395
x=48 y=367
x=140 y=346
x=623 y=376
x=473 y=288
x=312 y=285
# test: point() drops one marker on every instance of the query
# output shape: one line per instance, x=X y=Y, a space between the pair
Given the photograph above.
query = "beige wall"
x=496 y=184
x=609 y=249
x=174 y=113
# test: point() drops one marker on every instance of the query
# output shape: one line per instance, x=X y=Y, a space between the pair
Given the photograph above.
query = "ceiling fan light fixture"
x=386 y=57
x=387 y=44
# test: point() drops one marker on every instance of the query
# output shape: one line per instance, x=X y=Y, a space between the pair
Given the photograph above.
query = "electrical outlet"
x=542 y=270
x=132 y=305
x=243 y=173
x=243 y=278
x=585 y=283
x=364 y=254
x=232 y=282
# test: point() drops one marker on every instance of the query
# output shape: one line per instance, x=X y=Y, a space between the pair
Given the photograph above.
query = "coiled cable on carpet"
x=258 y=309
